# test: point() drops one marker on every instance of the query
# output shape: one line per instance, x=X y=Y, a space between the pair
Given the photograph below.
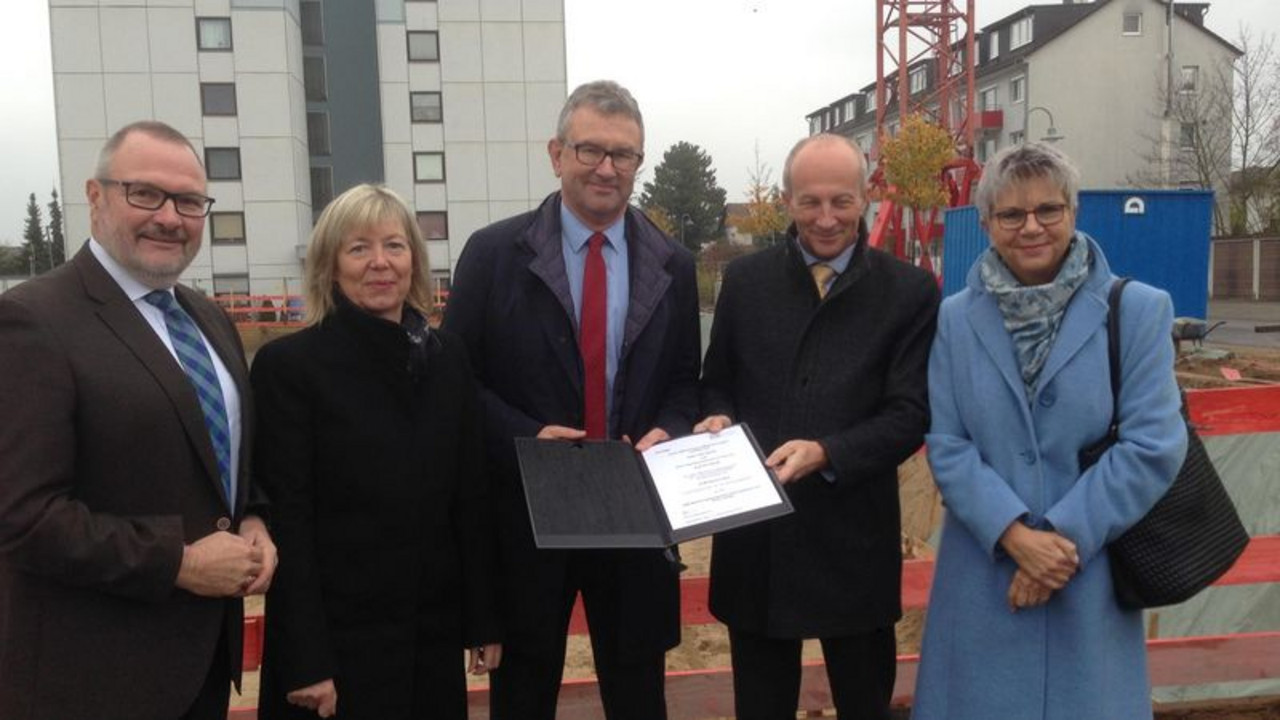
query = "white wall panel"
x=503 y=52
x=176 y=100
x=465 y=171
x=81 y=107
x=172 y=40
x=128 y=98
x=75 y=42
x=508 y=173
x=463 y=108
x=124 y=40
x=460 y=53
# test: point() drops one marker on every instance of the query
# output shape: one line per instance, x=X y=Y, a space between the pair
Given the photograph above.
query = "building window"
x=1189 y=81
x=1187 y=136
x=424 y=46
x=226 y=228
x=1132 y=24
x=1020 y=33
x=318 y=133
x=993 y=46
x=218 y=98
x=815 y=125
x=441 y=282
x=434 y=225
x=871 y=101
x=222 y=163
x=1017 y=89
x=312 y=23
x=321 y=187
x=425 y=107
x=314 y=79
x=428 y=167
x=864 y=142
x=919 y=79
x=987 y=149
x=1017 y=137
x=230 y=284
x=989 y=99
x=850 y=109
x=213 y=33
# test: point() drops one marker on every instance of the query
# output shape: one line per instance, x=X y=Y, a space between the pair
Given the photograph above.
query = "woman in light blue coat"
x=1023 y=622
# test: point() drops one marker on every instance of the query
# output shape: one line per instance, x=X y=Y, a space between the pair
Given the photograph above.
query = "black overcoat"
x=382 y=521
x=850 y=372
x=511 y=303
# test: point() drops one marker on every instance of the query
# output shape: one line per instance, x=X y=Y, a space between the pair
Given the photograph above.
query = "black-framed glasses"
x=149 y=197
x=592 y=155
x=1046 y=214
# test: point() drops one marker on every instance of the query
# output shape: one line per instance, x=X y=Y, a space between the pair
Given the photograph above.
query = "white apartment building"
x=448 y=102
x=1097 y=69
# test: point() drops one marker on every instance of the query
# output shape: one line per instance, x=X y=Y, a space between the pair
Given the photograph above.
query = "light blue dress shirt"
x=574 y=236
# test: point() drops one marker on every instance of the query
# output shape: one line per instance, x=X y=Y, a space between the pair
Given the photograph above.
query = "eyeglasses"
x=592 y=155
x=1015 y=218
x=149 y=197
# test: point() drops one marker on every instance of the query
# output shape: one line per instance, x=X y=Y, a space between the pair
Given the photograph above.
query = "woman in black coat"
x=369 y=447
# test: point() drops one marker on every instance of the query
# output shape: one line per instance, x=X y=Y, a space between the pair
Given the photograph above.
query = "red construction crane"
x=928 y=46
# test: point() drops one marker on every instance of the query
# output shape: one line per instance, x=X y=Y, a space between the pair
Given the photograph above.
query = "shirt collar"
x=576 y=234
x=839 y=263
x=128 y=283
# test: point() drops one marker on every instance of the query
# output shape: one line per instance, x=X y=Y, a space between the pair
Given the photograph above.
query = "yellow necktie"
x=822 y=274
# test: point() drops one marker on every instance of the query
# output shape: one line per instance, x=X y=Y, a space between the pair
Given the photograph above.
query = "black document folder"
x=599 y=494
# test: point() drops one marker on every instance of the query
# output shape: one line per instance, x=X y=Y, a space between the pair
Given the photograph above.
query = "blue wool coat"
x=998 y=456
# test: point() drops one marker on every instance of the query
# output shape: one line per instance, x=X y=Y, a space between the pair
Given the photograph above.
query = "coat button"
x=224 y=523
x=1048 y=398
x=1028 y=457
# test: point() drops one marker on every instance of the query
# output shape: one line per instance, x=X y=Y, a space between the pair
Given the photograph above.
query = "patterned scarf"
x=1033 y=313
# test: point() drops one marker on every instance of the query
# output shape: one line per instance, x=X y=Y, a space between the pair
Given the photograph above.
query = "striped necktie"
x=198 y=365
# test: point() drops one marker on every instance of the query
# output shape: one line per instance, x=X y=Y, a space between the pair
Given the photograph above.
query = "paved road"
x=1239 y=320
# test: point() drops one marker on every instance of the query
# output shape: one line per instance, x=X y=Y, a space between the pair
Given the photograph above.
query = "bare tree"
x=1221 y=130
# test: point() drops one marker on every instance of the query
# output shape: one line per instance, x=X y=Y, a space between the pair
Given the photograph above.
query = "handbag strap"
x=1113 y=348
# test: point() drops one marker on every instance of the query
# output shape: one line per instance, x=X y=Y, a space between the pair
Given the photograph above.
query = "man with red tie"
x=581 y=318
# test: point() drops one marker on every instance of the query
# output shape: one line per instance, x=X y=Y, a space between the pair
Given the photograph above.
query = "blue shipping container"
x=1160 y=237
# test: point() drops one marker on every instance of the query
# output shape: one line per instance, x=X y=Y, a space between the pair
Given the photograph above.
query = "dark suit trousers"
x=527 y=685
x=766 y=675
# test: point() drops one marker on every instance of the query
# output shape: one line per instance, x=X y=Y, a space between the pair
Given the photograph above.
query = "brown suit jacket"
x=106 y=469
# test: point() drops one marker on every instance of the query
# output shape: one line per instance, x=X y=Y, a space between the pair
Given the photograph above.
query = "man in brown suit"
x=129 y=530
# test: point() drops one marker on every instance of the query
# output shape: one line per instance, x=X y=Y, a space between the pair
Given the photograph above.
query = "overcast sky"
x=727 y=75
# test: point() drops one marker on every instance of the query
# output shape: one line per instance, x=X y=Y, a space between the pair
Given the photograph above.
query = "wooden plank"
x=1220 y=658
x=1235 y=411
x=1259 y=564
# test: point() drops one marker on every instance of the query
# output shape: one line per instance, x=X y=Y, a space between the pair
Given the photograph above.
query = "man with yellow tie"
x=821 y=346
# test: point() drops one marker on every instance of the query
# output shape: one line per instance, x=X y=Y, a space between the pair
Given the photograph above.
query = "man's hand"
x=219 y=565
x=255 y=532
x=797 y=458
x=481 y=660
x=1026 y=593
x=1046 y=557
x=713 y=424
x=322 y=698
x=651 y=438
x=560 y=432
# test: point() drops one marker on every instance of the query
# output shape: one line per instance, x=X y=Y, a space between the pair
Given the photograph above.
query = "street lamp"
x=684 y=220
x=1051 y=135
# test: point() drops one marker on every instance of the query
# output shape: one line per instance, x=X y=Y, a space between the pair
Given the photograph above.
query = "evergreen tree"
x=34 y=249
x=56 y=236
x=684 y=188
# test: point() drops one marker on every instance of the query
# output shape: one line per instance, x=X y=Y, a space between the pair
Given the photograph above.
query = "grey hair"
x=607 y=98
x=151 y=128
x=824 y=137
x=1019 y=163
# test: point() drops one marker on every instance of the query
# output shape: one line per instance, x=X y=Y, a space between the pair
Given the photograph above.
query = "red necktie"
x=591 y=339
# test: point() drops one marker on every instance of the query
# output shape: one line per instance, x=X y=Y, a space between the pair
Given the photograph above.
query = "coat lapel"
x=1086 y=314
x=984 y=317
x=543 y=240
x=119 y=314
x=649 y=278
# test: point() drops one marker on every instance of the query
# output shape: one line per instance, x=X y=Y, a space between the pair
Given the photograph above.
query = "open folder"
x=603 y=494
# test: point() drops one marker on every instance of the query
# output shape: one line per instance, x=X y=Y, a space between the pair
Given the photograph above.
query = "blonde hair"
x=362 y=206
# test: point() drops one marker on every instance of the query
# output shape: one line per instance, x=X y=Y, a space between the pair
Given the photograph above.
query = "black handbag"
x=1191 y=536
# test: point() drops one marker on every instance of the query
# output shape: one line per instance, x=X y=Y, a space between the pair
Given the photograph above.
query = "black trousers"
x=860 y=669
x=527 y=685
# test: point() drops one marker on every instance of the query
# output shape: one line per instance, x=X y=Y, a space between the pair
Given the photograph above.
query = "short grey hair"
x=605 y=97
x=151 y=128
x=825 y=137
x=1019 y=163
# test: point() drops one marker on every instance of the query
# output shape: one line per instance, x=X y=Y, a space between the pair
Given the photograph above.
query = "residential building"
x=448 y=102
x=1090 y=76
